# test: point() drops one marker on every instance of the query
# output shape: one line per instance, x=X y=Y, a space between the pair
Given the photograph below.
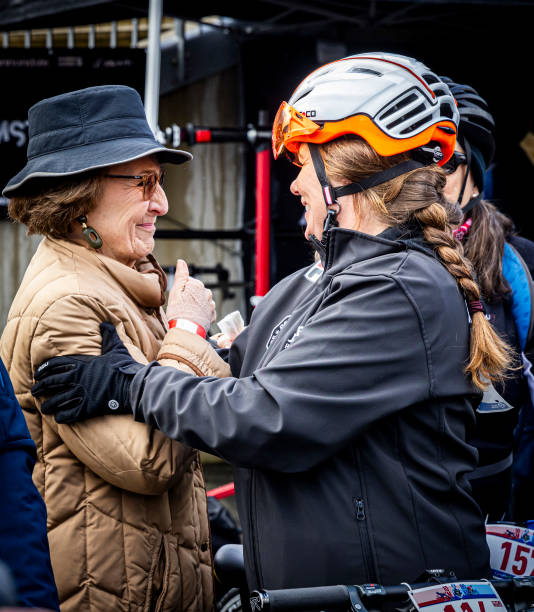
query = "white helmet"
x=392 y=101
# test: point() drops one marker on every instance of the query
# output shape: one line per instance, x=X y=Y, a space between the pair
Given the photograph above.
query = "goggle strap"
x=379 y=177
x=329 y=192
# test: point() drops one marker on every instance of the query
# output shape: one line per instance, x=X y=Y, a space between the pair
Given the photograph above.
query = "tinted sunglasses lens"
x=456 y=160
x=293 y=157
x=450 y=167
x=149 y=183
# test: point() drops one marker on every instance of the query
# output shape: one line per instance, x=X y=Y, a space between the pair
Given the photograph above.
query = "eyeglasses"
x=147 y=181
x=452 y=164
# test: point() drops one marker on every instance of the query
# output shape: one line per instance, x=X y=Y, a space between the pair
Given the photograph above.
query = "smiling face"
x=307 y=187
x=124 y=218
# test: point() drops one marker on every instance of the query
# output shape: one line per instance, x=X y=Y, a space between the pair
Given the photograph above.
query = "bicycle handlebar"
x=332 y=597
x=351 y=597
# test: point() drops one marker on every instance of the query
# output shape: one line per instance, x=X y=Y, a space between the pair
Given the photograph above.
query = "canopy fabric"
x=274 y=15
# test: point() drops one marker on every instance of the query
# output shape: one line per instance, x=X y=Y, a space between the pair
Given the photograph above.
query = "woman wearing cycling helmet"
x=353 y=386
x=503 y=263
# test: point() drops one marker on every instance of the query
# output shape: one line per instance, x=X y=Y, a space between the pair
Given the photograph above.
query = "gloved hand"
x=84 y=386
x=189 y=299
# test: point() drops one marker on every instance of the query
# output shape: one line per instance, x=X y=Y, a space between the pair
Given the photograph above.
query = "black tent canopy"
x=267 y=15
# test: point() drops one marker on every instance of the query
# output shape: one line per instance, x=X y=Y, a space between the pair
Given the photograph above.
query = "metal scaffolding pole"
x=153 y=60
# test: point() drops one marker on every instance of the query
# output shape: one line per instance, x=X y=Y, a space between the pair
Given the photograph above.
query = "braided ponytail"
x=417 y=197
x=489 y=354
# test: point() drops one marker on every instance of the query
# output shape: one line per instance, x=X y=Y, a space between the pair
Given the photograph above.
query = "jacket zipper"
x=360 y=510
x=253 y=538
x=361 y=518
x=364 y=537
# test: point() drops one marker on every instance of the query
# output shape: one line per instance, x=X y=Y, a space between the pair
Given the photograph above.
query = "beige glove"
x=189 y=299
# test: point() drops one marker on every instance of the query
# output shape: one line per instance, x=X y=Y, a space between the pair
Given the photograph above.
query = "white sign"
x=471 y=596
x=511 y=550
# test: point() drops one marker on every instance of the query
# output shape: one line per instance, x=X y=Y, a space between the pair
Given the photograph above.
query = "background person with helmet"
x=503 y=263
x=353 y=387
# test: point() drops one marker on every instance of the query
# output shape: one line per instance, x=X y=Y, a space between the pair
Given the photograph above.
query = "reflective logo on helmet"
x=310 y=113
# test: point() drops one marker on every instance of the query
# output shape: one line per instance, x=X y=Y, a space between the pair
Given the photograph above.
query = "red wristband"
x=188 y=326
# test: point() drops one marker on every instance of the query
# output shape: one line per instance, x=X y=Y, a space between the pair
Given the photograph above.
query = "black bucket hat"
x=88 y=129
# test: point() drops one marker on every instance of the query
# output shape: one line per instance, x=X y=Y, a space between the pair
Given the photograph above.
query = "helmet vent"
x=325 y=70
x=396 y=107
x=430 y=78
x=439 y=92
x=303 y=95
x=414 y=112
x=365 y=71
x=414 y=126
x=446 y=110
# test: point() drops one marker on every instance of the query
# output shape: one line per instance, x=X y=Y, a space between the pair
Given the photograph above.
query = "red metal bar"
x=202 y=135
x=263 y=220
x=223 y=491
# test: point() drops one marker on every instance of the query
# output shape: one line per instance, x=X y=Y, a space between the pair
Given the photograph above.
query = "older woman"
x=127 y=519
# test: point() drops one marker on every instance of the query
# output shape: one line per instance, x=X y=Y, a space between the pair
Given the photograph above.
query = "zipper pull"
x=360 y=510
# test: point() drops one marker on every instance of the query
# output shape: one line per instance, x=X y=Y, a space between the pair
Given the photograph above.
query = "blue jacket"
x=23 y=539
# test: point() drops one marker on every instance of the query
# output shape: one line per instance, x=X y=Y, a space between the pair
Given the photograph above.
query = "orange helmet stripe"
x=385 y=145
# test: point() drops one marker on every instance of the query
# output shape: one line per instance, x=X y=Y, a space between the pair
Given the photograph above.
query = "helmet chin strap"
x=331 y=194
x=471 y=204
x=467 y=150
x=475 y=199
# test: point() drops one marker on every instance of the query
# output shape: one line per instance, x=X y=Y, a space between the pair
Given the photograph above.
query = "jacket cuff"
x=193 y=351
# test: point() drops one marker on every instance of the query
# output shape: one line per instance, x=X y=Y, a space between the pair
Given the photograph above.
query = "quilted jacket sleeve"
x=190 y=353
x=123 y=452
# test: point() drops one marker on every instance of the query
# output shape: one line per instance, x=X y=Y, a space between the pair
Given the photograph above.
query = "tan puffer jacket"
x=127 y=514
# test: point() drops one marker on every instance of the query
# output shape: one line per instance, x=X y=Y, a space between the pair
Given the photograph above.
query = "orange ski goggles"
x=289 y=127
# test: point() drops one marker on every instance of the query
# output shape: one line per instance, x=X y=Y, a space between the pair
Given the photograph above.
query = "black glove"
x=84 y=386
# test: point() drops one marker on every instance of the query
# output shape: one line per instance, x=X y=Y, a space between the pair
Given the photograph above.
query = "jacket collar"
x=345 y=246
x=145 y=283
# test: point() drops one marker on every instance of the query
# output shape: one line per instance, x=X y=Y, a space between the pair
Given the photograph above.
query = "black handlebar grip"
x=301 y=600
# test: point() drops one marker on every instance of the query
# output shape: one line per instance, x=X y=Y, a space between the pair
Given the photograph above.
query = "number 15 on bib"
x=511 y=550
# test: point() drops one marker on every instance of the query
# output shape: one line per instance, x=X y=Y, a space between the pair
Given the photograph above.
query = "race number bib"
x=472 y=596
x=511 y=550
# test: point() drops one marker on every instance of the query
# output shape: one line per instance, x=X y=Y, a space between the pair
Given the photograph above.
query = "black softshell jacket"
x=346 y=420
